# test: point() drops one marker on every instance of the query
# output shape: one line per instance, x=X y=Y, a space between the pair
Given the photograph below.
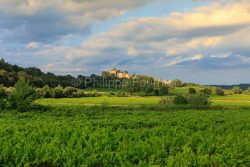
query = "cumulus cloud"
x=205 y=30
x=213 y=37
x=48 y=20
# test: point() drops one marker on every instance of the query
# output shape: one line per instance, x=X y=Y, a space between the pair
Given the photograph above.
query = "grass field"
x=230 y=100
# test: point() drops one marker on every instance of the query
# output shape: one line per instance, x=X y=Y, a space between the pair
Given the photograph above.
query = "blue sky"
x=193 y=40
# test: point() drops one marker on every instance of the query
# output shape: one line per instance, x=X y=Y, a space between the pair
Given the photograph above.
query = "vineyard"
x=92 y=136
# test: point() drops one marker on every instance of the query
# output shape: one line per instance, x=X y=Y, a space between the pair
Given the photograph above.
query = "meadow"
x=229 y=100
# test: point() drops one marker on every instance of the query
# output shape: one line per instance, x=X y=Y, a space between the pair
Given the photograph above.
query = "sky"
x=201 y=41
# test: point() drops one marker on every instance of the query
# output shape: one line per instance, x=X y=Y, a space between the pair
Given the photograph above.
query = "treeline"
x=10 y=74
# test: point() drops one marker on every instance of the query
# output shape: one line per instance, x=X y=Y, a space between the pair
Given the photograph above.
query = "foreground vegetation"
x=102 y=136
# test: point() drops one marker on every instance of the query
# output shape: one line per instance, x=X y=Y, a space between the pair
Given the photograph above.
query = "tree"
x=206 y=91
x=180 y=100
x=219 y=92
x=46 y=92
x=248 y=90
x=191 y=91
x=176 y=83
x=156 y=92
x=163 y=90
x=69 y=91
x=149 y=90
x=237 y=90
x=59 y=91
x=23 y=96
x=2 y=97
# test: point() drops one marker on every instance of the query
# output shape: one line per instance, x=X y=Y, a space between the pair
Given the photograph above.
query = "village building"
x=119 y=73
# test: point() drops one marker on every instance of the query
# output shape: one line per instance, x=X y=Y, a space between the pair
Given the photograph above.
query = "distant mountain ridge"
x=242 y=86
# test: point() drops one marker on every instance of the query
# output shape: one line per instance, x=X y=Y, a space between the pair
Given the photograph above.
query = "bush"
x=148 y=90
x=156 y=92
x=3 y=96
x=59 y=91
x=79 y=93
x=180 y=100
x=167 y=100
x=111 y=94
x=45 y=92
x=191 y=91
x=206 y=91
x=121 y=94
x=219 y=92
x=68 y=91
x=237 y=90
x=2 y=92
x=23 y=96
x=163 y=90
x=198 y=99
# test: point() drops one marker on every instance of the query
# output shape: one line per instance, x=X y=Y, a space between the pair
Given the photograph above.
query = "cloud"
x=33 y=45
x=209 y=38
x=48 y=20
x=175 y=36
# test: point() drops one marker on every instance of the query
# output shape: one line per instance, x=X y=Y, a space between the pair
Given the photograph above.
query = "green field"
x=127 y=131
x=230 y=100
x=79 y=136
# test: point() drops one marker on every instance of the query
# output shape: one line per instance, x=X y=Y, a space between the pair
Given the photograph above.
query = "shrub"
x=198 y=99
x=121 y=94
x=3 y=96
x=191 y=91
x=59 y=91
x=23 y=96
x=180 y=100
x=167 y=100
x=79 y=93
x=156 y=92
x=206 y=91
x=68 y=91
x=237 y=90
x=111 y=94
x=148 y=90
x=219 y=92
x=163 y=90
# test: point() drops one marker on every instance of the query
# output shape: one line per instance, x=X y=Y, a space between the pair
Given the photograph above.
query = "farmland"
x=230 y=100
x=122 y=131
x=82 y=136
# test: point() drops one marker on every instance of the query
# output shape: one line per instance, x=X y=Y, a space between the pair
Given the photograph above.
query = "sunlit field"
x=229 y=100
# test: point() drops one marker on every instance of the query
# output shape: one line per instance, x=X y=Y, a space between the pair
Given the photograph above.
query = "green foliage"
x=2 y=91
x=199 y=99
x=78 y=93
x=59 y=91
x=206 y=91
x=3 y=96
x=78 y=136
x=219 y=92
x=121 y=94
x=176 y=83
x=191 y=91
x=48 y=92
x=179 y=100
x=156 y=92
x=23 y=96
x=69 y=91
x=237 y=90
x=167 y=100
x=163 y=90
